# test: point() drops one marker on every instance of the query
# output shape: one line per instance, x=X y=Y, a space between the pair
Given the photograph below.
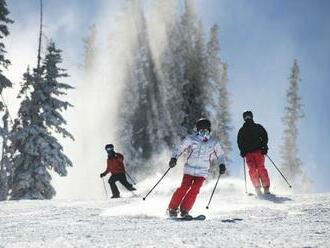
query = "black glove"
x=243 y=154
x=264 y=150
x=102 y=174
x=222 y=169
x=172 y=162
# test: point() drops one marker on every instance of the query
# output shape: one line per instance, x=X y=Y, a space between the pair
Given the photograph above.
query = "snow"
x=233 y=220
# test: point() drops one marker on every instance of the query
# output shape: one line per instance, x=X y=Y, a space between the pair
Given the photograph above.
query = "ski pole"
x=157 y=183
x=134 y=183
x=279 y=171
x=244 y=175
x=216 y=184
x=105 y=188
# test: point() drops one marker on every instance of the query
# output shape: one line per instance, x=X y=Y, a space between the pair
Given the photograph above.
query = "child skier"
x=200 y=149
x=252 y=140
x=115 y=165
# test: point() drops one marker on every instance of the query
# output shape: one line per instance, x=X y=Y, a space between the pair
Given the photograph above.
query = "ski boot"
x=258 y=190
x=132 y=189
x=172 y=213
x=266 y=190
x=115 y=196
x=183 y=213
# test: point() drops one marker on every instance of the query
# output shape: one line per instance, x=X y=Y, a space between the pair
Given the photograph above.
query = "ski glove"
x=102 y=174
x=243 y=154
x=222 y=169
x=172 y=162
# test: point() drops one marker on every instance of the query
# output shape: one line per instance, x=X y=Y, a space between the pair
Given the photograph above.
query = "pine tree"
x=4 y=83
x=170 y=69
x=193 y=77
x=5 y=163
x=4 y=20
x=218 y=93
x=37 y=150
x=292 y=165
x=145 y=123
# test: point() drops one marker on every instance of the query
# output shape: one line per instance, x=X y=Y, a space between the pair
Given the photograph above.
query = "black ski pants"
x=121 y=177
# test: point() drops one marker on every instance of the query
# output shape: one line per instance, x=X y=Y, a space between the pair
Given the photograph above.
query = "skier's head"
x=247 y=115
x=203 y=127
x=110 y=149
x=203 y=123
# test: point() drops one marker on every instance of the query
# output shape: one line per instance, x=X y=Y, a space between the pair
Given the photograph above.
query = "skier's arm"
x=186 y=143
x=264 y=139
x=107 y=170
x=220 y=156
x=120 y=158
x=263 y=135
x=177 y=152
x=240 y=142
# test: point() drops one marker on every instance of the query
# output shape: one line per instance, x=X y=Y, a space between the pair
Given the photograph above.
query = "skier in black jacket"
x=252 y=140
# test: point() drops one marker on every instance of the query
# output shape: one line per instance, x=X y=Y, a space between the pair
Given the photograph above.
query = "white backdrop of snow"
x=233 y=220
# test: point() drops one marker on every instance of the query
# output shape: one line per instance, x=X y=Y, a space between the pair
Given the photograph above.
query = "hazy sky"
x=259 y=41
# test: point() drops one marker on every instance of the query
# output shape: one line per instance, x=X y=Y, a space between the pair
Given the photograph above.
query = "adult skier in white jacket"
x=201 y=149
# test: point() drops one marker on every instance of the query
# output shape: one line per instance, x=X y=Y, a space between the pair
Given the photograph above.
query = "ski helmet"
x=109 y=147
x=247 y=115
x=203 y=123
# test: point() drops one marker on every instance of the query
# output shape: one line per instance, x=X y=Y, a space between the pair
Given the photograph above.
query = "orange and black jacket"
x=115 y=165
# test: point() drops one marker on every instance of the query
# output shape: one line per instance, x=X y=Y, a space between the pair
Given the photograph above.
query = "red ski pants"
x=186 y=194
x=256 y=163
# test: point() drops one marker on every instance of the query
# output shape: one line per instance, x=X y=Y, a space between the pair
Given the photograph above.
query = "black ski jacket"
x=252 y=137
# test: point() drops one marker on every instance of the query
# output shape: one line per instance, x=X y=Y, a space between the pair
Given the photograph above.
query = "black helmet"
x=203 y=123
x=109 y=147
x=247 y=115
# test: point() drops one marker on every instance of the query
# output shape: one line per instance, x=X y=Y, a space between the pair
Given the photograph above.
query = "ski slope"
x=233 y=220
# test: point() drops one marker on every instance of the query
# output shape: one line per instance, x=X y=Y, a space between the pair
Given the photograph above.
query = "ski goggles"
x=204 y=132
x=109 y=149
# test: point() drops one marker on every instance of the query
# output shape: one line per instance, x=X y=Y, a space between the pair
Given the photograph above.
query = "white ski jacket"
x=199 y=154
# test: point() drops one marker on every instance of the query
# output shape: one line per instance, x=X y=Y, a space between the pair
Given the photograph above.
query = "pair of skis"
x=189 y=217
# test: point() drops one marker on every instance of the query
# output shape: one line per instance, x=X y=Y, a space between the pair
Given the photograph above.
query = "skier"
x=115 y=165
x=201 y=149
x=252 y=140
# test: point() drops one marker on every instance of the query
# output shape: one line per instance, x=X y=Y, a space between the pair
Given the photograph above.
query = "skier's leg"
x=123 y=180
x=112 y=181
x=190 y=197
x=180 y=192
x=262 y=171
x=253 y=172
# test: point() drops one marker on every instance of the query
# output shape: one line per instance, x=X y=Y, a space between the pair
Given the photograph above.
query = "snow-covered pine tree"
x=292 y=165
x=4 y=83
x=170 y=67
x=5 y=165
x=39 y=117
x=218 y=93
x=4 y=21
x=24 y=138
x=193 y=77
x=139 y=75
x=146 y=119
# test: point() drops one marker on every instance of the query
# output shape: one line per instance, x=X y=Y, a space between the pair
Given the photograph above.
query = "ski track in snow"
x=232 y=221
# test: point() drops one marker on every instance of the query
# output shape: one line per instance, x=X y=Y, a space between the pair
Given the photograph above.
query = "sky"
x=259 y=41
